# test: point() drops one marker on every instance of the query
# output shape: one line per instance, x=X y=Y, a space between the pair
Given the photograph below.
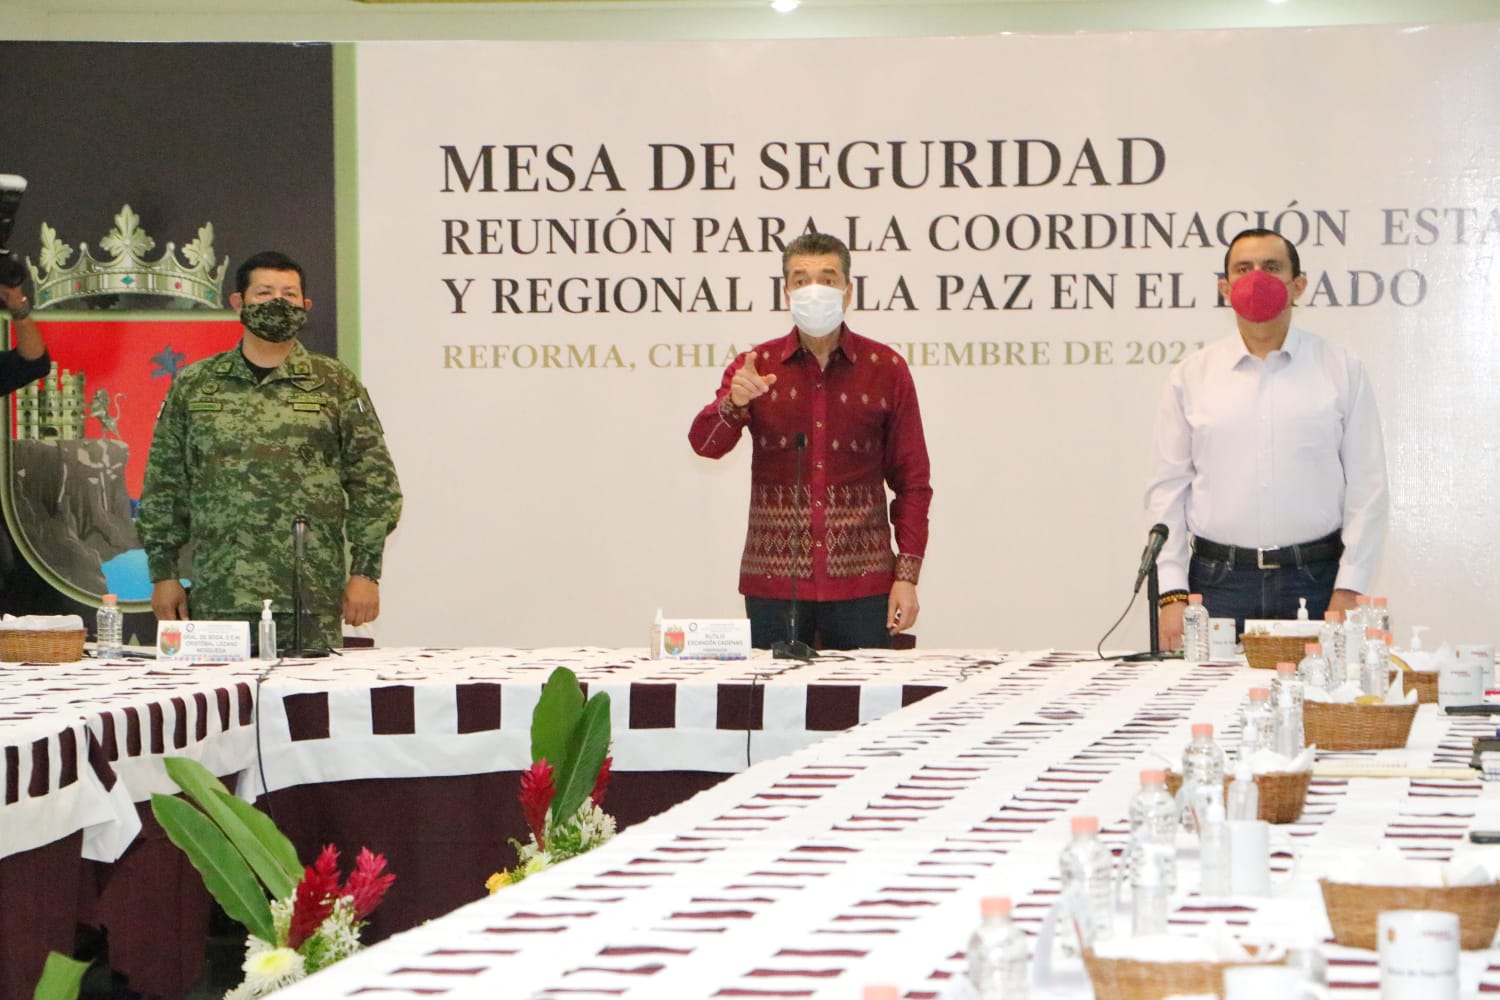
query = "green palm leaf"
x=225 y=874
x=263 y=846
x=589 y=743
x=62 y=977
x=555 y=716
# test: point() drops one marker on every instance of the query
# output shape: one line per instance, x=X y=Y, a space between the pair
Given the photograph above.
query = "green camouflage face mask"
x=276 y=320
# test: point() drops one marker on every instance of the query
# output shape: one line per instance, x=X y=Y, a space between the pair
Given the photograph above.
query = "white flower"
x=267 y=969
x=596 y=825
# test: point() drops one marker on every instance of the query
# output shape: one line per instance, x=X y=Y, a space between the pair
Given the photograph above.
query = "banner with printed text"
x=562 y=245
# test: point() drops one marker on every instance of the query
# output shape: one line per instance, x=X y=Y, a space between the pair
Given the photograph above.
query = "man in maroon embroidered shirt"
x=844 y=408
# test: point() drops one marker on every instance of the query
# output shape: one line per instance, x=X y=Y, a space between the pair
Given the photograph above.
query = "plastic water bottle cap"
x=1331 y=616
x=1195 y=598
x=1362 y=600
x=1287 y=668
x=1085 y=824
x=1203 y=729
x=1313 y=649
x=1156 y=777
x=1374 y=633
x=1259 y=694
x=882 y=991
x=110 y=600
x=1381 y=602
x=995 y=906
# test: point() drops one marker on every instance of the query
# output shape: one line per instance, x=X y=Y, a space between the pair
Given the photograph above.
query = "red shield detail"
x=79 y=443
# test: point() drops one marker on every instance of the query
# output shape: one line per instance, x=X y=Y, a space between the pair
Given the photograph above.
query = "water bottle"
x=1202 y=772
x=267 y=637
x=1195 y=630
x=1149 y=892
x=1356 y=620
x=1313 y=668
x=1088 y=880
x=997 y=953
x=1153 y=827
x=1287 y=695
x=1331 y=638
x=1213 y=850
x=1258 y=731
x=1375 y=672
x=1150 y=862
x=1380 y=613
x=109 y=628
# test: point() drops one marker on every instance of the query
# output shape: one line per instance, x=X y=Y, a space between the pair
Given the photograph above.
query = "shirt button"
x=818 y=385
x=817 y=423
x=817 y=465
x=818 y=544
x=817 y=503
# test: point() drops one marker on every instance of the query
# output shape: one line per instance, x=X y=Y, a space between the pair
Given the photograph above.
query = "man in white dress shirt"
x=1267 y=462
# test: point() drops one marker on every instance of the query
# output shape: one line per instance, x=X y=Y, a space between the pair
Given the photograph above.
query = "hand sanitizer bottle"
x=267 y=639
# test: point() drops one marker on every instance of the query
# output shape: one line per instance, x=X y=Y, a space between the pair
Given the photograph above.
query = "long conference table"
x=873 y=801
x=415 y=753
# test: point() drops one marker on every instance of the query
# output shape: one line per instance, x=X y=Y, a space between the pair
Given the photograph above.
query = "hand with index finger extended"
x=749 y=384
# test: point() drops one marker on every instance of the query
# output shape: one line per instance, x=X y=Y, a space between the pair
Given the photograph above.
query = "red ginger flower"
x=537 y=792
x=366 y=883
x=314 y=898
x=601 y=783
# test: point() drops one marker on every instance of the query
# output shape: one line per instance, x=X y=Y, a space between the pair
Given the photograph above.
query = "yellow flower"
x=497 y=881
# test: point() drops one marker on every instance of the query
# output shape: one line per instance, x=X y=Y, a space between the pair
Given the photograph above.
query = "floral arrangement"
x=298 y=920
x=562 y=793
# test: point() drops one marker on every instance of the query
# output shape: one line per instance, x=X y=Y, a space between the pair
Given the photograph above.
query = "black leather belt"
x=1325 y=549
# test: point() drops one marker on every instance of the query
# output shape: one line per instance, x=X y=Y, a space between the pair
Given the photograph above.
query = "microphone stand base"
x=1150 y=657
x=792 y=649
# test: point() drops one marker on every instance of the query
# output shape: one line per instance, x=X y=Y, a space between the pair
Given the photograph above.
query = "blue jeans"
x=858 y=623
x=1261 y=593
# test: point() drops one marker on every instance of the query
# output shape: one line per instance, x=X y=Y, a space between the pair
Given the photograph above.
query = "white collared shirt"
x=1264 y=453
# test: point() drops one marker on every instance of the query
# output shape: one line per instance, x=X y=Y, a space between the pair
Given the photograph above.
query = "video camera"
x=12 y=270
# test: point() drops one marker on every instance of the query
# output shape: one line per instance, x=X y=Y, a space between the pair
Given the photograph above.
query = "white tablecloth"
x=862 y=858
x=400 y=713
x=83 y=742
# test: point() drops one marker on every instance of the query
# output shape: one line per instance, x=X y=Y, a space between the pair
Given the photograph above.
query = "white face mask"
x=817 y=309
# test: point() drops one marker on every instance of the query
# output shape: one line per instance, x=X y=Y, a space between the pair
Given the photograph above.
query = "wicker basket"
x=1282 y=793
x=1357 y=727
x=1353 y=910
x=1131 y=979
x=1424 y=682
x=39 y=646
x=1263 y=652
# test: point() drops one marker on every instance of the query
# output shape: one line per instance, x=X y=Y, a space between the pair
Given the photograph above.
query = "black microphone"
x=299 y=553
x=1154 y=542
x=793 y=648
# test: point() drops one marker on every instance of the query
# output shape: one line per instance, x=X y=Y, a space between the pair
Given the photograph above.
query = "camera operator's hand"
x=28 y=338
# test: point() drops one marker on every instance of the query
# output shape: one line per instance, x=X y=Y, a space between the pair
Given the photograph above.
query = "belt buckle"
x=1260 y=560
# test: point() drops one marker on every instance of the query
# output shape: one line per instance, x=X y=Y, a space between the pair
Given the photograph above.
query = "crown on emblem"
x=99 y=283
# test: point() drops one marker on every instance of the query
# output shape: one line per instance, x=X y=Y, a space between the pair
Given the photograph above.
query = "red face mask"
x=1258 y=297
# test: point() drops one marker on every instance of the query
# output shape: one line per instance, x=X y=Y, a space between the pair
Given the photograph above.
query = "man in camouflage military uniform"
x=247 y=441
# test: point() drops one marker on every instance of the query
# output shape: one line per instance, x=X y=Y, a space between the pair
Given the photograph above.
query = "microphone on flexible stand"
x=299 y=553
x=792 y=648
x=1154 y=541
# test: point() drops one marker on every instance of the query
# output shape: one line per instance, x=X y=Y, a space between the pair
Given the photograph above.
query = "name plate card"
x=704 y=639
x=1281 y=626
x=203 y=642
